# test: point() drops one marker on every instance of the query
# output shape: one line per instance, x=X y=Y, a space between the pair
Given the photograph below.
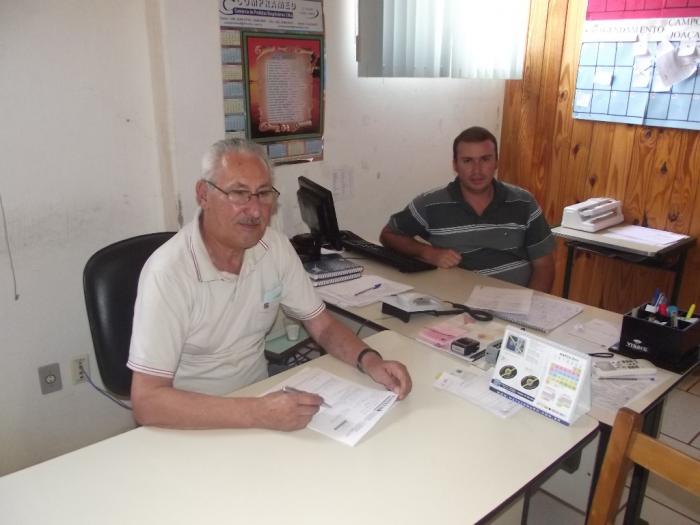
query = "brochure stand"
x=543 y=376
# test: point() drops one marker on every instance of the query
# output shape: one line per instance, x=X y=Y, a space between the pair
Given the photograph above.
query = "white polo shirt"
x=206 y=328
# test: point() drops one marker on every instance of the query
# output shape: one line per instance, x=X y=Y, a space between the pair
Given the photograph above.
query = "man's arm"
x=339 y=341
x=542 y=277
x=157 y=403
x=440 y=257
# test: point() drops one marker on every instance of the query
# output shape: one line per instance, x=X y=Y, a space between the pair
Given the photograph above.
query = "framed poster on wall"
x=272 y=58
x=283 y=79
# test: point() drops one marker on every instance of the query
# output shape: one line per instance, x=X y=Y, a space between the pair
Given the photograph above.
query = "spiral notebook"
x=337 y=279
x=331 y=266
x=546 y=313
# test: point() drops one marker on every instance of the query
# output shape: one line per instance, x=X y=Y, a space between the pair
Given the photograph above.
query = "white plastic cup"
x=292 y=328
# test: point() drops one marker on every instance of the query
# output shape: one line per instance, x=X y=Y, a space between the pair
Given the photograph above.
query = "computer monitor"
x=318 y=213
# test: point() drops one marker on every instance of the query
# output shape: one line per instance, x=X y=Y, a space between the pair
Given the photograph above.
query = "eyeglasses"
x=241 y=197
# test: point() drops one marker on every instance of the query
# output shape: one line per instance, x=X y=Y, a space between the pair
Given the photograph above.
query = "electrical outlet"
x=50 y=378
x=78 y=373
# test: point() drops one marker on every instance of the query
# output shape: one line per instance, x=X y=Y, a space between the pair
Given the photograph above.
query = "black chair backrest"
x=110 y=282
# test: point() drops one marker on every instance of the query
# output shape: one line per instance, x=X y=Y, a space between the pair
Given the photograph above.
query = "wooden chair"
x=629 y=445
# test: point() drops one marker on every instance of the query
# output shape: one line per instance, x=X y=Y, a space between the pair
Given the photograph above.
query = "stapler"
x=593 y=215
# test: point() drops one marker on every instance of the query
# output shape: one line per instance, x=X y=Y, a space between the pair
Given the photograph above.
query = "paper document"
x=507 y=300
x=354 y=409
x=645 y=235
x=475 y=389
x=366 y=290
x=613 y=394
x=598 y=331
x=545 y=314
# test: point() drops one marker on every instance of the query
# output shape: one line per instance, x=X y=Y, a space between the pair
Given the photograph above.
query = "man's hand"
x=392 y=374
x=441 y=257
x=287 y=410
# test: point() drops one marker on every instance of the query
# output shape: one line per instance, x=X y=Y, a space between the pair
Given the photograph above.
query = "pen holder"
x=651 y=336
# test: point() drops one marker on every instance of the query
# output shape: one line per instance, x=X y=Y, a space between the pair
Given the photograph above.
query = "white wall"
x=106 y=108
x=77 y=172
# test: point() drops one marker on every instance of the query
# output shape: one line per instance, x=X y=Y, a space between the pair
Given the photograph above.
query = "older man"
x=207 y=297
x=477 y=222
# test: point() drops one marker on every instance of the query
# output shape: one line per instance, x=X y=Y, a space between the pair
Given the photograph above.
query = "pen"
x=626 y=378
x=373 y=287
x=297 y=391
x=691 y=311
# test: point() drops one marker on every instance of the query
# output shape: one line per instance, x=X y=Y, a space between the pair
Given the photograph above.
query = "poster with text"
x=283 y=76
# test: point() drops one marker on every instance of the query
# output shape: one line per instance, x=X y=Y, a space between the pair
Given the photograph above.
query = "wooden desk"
x=434 y=458
x=670 y=257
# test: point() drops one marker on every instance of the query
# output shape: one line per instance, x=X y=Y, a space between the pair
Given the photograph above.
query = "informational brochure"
x=475 y=389
x=350 y=410
x=544 y=376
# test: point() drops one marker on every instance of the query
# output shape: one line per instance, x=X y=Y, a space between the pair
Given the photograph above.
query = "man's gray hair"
x=212 y=158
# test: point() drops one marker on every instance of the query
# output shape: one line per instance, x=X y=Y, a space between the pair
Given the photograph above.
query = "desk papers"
x=546 y=313
x=475 y=389
x=630 y=232
x=613 y=394
x=598 y=331
x=354 y=409
x=506 y=300
x=360 y=292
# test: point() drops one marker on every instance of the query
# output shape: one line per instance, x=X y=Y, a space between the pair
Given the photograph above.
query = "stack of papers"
x=352 y=409
x=651 y=236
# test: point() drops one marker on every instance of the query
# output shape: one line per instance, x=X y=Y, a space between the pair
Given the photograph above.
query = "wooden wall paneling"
x=599 y=163
x=541 y=180
x=669 y=144
x=641 y=165
x=508 y=147
x=682 y=203
x=619 y=169
x=626 y=285
x=555 y=201
x=577 y=166
x=685 y=202
x=690 y=291
x=530 y=93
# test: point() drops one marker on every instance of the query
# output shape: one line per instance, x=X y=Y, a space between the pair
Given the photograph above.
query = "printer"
x=593 y=215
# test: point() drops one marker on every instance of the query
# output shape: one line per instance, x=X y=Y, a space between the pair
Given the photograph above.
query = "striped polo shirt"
x=501 y=242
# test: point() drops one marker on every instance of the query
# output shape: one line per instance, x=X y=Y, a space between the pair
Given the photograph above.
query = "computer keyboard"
x=383 y=255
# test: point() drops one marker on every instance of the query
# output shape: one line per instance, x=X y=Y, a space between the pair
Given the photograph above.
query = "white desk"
x=670 y=257
x=434 y=458
x=456 y=284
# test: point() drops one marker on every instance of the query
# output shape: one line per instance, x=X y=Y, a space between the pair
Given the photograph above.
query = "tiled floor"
x=664 y=503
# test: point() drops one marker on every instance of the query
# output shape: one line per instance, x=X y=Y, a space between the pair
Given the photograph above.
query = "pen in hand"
x=373 y=287
x=297 y=391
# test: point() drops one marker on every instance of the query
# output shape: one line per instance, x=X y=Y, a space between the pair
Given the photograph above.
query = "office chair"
x=110 y=281
x=629 y=445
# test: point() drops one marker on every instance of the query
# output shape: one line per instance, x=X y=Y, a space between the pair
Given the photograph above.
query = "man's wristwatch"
x=362 y=354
